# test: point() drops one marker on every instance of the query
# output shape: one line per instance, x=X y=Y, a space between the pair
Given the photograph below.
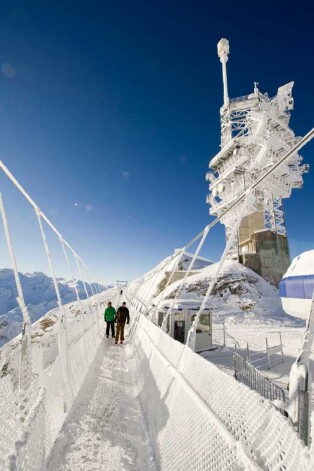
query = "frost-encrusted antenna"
x=223 y=52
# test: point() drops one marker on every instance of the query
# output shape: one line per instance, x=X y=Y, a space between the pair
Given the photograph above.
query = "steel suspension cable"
x=81 y=275
x=70 y=270
x=25 y=359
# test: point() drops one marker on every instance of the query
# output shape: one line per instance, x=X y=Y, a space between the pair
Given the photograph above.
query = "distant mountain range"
x=39 y=295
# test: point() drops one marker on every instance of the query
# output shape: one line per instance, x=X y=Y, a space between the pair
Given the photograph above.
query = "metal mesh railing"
x=30 y=419
x=250 y=376
x=199 y=418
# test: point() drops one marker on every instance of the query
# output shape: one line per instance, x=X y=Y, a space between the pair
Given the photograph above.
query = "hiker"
x=122 y=316
x=109 y=317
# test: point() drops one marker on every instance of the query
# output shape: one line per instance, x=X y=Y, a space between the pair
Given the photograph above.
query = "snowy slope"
x=199 y=263
x=39 y=295
x=152 y=282
x=239 y=296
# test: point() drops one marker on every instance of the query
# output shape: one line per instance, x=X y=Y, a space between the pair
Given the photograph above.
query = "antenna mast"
x=223 y=51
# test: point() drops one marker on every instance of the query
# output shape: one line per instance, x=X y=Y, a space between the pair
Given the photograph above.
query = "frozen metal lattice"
x=255 y=134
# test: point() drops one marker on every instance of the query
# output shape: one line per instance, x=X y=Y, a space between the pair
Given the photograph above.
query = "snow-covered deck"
x=255 y=337
x=105 y=429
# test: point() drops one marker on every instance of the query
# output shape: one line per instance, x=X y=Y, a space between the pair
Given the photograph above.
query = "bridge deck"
x=105 y=429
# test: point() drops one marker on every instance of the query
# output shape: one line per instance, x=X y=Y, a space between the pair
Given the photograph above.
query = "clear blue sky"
x=109 y=114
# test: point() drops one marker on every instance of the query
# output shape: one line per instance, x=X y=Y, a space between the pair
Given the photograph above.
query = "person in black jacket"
x=122 y=317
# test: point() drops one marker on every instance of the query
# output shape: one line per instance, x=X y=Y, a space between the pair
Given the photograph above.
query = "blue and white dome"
x=297 y=286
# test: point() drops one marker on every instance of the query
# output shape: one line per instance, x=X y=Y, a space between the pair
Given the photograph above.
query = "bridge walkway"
x=105 y=429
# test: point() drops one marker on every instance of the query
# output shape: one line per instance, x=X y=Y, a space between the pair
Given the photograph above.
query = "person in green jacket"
x=109 y=316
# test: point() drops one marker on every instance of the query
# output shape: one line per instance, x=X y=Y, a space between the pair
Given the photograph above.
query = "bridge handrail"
x=30 y=417
x=201 y=389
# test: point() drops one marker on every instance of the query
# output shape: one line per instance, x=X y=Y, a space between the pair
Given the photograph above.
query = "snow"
x=40 y=298
x=119 y=409
x=239 y=296
x=152 y=282
x=105 y=428
x=200 y=262
x=244 y=304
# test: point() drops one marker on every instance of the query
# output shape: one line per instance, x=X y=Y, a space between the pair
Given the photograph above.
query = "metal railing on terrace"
x=247 y=374
x=242 y=98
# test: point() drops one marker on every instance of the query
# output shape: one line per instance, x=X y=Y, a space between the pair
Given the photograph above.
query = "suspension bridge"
x=83 y=403
x=70 y=399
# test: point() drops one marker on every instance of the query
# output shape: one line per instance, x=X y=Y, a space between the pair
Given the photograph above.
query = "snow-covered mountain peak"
x=39 y=295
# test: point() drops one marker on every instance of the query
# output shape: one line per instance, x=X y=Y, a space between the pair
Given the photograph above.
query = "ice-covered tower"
x=255 y=134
